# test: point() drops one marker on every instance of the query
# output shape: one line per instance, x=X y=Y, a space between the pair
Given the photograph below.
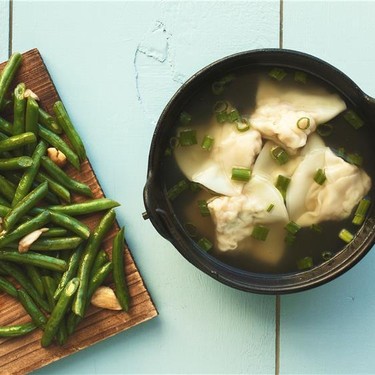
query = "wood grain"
x=24 y=354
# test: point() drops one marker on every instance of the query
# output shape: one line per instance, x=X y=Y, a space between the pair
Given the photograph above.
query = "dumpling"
x=213 y=169
x=287 y=113
x=235 y=218
x=310 y=203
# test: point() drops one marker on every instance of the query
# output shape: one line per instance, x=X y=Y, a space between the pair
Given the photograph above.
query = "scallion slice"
x=324 y=130
x=241 y=174
x=327 y=255
x=188 y=137
x=353 y=119
x=292 y=227
x=282 y=184
x=185 y=118
x=174 y=142
x=320 y=176
x=220 y=106
x=260 y=232
x=280 y=155
x=300 y=77
x=355 y=159
x=203 y=208
x=277 y=73
x=303 y=123
x=218 y=87
x=191 y=229
x=361 y=211
x=316 y=228
x=194 y=187
x=205 y=244
x=345 y=235
x=270 y=207
x=289 y=238
x=221 y=117
x=207 y=143
x=233 y=115
x=177 y=189
x=242 y=125
x=305 y=263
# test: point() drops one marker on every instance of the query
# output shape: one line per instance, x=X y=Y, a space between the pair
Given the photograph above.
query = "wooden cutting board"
x=24 y=354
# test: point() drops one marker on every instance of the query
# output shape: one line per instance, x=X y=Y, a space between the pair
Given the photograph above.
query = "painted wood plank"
x=4 y=29
x=329 y=330
x=116 y=65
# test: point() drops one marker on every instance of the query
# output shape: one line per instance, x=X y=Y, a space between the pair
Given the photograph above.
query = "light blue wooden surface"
x=115 y=66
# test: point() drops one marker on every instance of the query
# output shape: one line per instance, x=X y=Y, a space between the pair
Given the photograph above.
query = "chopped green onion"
x=191 y=229
x=277 y=73
x=353 y=119
x=241 y=174
x=345 y=235
x=194 y=186
x=188 y=137
x=233 y=115
x=168 y=151
x=289 y=238
x=242 y=125
x=361 y=211
x=205 y=244
x=221 y=117
x=260 y=232
x=220 y=106
x=355 y=159
x=218 y=87
x=303 y=123
x=316 y=227
x=174 y=142
x=300 y=77
x=320 y=176
x=292 y=227
x=305 y=263
x=327 y=255
x=325 y=130
x=203 y=208
x=282 y=184
x=340 y=152
x=177 y=189
x=185 y=118
x=270 y=207
x=280 y=155
x=207 y=143
x=228 y=78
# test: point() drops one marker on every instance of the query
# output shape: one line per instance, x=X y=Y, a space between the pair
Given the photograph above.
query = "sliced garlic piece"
x=56 y=156
x=29 y=239
x=105 y=298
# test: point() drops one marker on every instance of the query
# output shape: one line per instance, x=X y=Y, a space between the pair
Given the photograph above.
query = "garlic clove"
x=105 y=298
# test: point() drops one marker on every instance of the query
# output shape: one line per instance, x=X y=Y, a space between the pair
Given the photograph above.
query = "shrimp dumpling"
x=309 y=202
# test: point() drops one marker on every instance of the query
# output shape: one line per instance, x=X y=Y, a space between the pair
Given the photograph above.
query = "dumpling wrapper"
x=280 y=105
x=213 y=169
x=310 y=203
x=236 y=216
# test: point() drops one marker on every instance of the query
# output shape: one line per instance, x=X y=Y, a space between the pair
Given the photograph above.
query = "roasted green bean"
x=18 y=162
x=8 y=74
x=56 y=188
x=49 y=284
x=31 y=308
x=7 y=188
x=52 y=244
x=35 y=278
x=17 y=330
x=7 y=287
x=54 y=232
x=31 y=121
x=16 y=141
x=6 y=126
x=19 y=109
x=101 y=258
x=70 y=223
x=49 y=122
x=84 y=208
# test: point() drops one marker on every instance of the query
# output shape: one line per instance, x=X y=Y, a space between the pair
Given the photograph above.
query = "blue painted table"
x=116 y=64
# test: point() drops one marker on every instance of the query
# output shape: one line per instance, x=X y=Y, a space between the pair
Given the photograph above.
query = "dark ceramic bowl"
x=160 y=211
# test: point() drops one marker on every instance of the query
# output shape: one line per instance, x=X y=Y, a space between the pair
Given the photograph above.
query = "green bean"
x=6 y=126
x=52 y=244
x=7 y=287
x=7 y=188
x=57 y=142
x=88 y=259
x=100 y=259
x=17 y=330
x=32 y=309
x=29 y=226
x=54 y=232
x=49 y=122
x=24 y=205
x=121 y=289
x=88 y=207
x=31 y=121
x=18 y=162
x=19 y=276
x=59 y=311
x=35 y=259
x=28 y=177
x=49 y=284
x=71 y=224
x=62 y=333
x=54 y=187
x=7 y=75
x=71 y=271
x=65 y=122
x=19 y=109
x=4 y=210
x=35 y=277
x=17 y=141
x=61 y=177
